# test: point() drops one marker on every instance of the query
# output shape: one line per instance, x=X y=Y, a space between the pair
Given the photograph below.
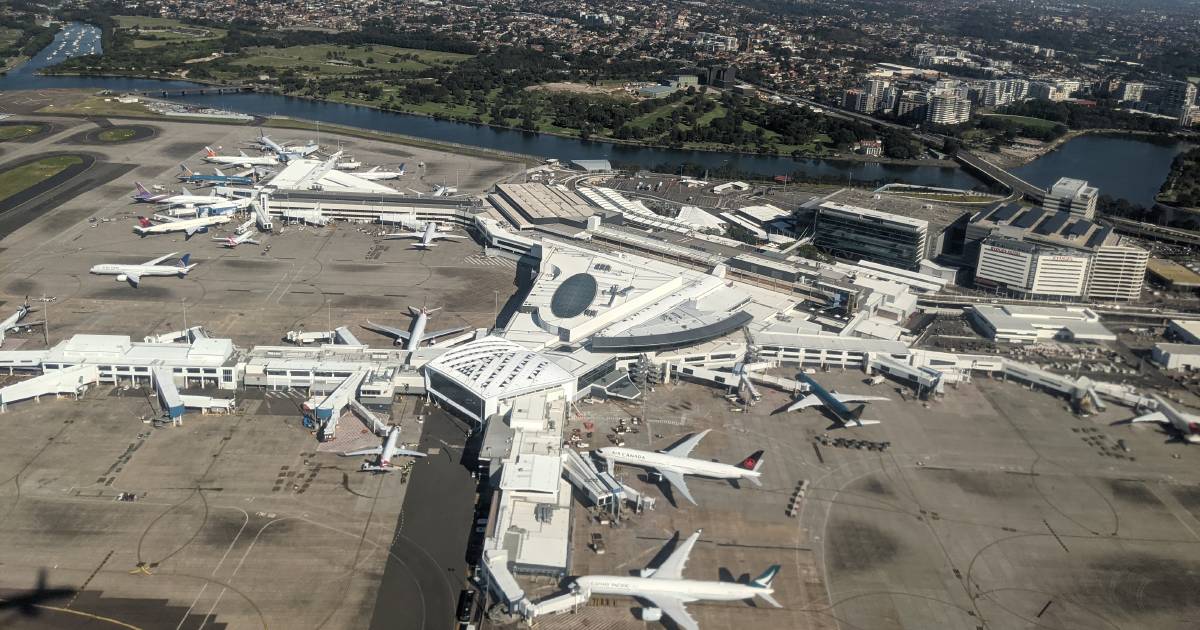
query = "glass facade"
x=864 y=237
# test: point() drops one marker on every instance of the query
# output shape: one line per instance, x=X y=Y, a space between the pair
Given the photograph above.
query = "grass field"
x=333 y=60
x=161 y=31
x=1026 y=121
x=15 y=180
x=16 y=132
x=8 y=36
x=99 y=106
x=116 y=134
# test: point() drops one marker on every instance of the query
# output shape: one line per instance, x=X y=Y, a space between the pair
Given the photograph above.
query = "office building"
x=1131 y=92
x=1002 y=92
x=1072 y=195
x=863 y=234
x=912 y=105
x=1178 y=99
x=859 y=100
x=714 y=42
x=948 y=106
x=1012 y=244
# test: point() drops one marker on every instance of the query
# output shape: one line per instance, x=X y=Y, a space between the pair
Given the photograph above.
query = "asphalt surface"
x=426 y=566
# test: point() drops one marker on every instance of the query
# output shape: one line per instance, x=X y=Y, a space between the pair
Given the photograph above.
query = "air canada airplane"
x=386 y=453
x=241 y=159
x=669 y=592
x=673 y=463
x=834 y=403
x=374 y=174
x=1186 y=425
x=413 y=337
x=427 y=236
x=133 y=273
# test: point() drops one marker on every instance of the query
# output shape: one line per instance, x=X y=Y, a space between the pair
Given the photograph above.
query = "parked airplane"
x=416 y=333
x=673 y=463
x=188 y=226
x=286 y=152
x=444 y=191
x=15 y=322
x=377 y=175
x=133 y=273
x=669 y=592
x=834 y=403
x=1186 y=425
x=385 y=452
x=237 y=239
x=241 y=159
x=29 y=603
x=183 y=198
x=427 y=236
x=192 y=177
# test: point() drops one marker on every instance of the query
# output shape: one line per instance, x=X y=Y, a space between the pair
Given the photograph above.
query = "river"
x=1120 y=166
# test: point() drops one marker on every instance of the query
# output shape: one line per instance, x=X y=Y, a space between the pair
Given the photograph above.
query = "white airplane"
x=349 y=164
x=673 y=463
x=669 y=592
x=385 y=452
x=835 y=403
x=241 y=159
x=237 y=239
x=133 y=273
x=286 y=152
x=375 y=174
x=444 y=191
x=188 y=226
x=14 y=322
x=416 y=334
x=1187 y=425
x=184 y=198
x=427 y=236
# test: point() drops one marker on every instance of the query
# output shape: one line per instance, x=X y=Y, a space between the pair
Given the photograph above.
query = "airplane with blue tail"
x=192 y=177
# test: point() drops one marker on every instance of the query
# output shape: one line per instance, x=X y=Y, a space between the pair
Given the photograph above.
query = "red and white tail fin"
x=752 y=463
x=209 y=152
x=144 y=222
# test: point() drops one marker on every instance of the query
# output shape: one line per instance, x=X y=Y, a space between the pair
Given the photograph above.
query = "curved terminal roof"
x=685 y=336
x=494 y=367
x=573 y=296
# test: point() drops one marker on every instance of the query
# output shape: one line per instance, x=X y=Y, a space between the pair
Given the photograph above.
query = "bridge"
x=198 y=90
x=994 y=173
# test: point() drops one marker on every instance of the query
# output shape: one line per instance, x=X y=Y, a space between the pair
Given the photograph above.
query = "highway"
x=999 y=175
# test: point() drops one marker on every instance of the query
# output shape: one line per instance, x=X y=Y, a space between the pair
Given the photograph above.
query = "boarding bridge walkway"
x=342 y=336
x=926 y=379
x=571 y=601
x=329 y=409
x=73 y=380
x=500 y=580
x=168 y=393
x=377 y=426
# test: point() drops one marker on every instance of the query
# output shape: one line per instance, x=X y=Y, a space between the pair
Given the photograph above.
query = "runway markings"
x=488 y=261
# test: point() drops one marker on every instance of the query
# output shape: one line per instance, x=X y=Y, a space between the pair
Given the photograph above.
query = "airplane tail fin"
x=183 y=261
x=144 y=222
x=186 y=171
x=753 y=462
x=141 y=190
x=209 y=152
x=218 y=172
x=768 y=576
x=856 y=413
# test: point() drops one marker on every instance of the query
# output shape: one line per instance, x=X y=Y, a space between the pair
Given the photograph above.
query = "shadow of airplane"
x=27 y=603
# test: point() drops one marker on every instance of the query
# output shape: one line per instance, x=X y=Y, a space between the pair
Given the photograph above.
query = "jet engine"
x=122 y=277
x=651 y=614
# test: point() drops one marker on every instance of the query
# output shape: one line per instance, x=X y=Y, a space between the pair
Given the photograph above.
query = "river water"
x=1125 y=167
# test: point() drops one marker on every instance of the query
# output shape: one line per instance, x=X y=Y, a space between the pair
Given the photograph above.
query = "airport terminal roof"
x=1058 y=228
x=312 y=174
x=592 y=166
x=539 y=202
x=933 y=212
x=120 y=349
x=494 y=367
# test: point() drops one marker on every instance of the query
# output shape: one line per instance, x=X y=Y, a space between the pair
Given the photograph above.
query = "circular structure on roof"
x=573 y=296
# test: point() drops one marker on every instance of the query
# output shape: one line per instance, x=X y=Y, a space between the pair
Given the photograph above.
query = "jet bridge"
x=926 y=379
x=168 y=393
x=599 y=485
x=73 y=380
x=329 y=409
x=569 y=601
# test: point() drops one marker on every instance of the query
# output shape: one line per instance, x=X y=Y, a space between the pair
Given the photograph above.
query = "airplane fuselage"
x=109 y=269
x=632 y=586
x=674 y=463
x=181 y=226
x=389 y=447
x=835 y=406
x=417 y=332
x=1186 y=424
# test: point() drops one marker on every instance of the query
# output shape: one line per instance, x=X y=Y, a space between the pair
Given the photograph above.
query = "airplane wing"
x=133 y=279
x=401 y=452
x=390 y=331
x=191 y=231
x=159 y=259
x=445 y=235
x=677 y=482
x=442 y=333
x=810 y=400
x=1156 y=416
x=375 y=450
x=853 y=398
x=674 y=607
x=405 y=235
x=672 y=567
x=684 y=448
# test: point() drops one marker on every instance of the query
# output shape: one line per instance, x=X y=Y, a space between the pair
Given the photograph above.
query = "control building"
x=864 y=234
x=1072 y=195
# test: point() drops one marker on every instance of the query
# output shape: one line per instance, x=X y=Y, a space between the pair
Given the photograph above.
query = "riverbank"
x=1010 y=159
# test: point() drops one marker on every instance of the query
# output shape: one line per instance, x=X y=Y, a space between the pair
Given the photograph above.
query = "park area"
x=151 y=32
x=329 y=59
